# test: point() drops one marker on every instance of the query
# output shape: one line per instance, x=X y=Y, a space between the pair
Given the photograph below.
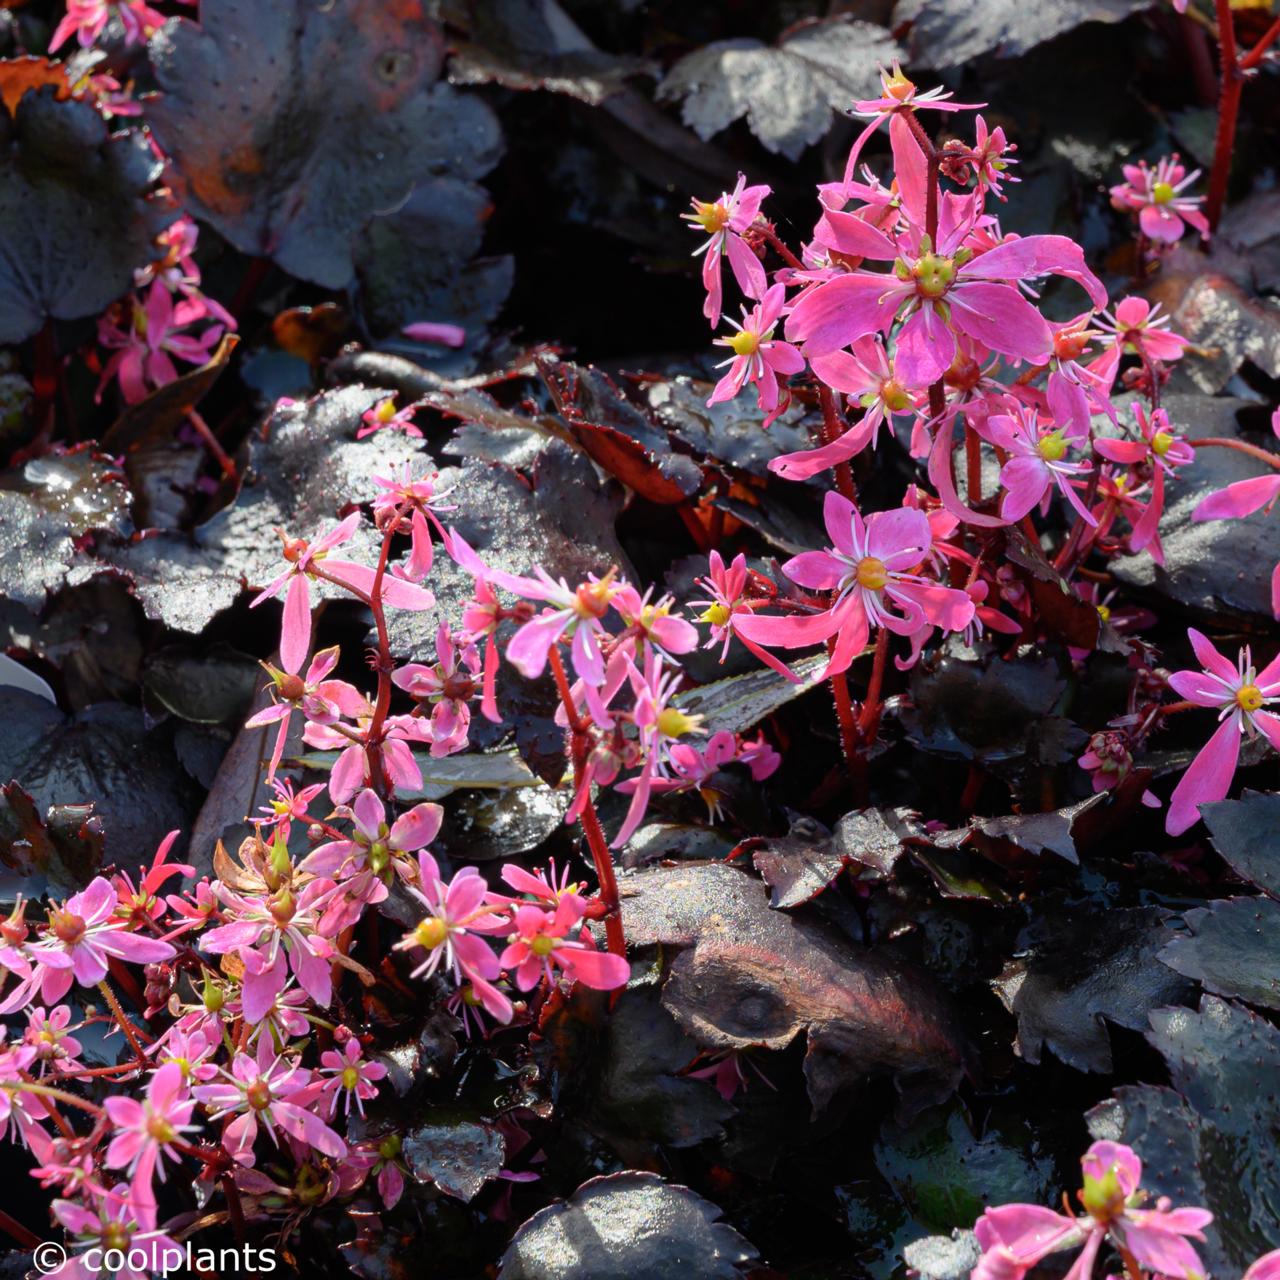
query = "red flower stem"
x=848 y=729
x=44 y=381
x=579 y=746
x=16 y=1231
x=212 y=443
x=1254 y=56
x=697 y=530
x=833 y=427
x=973 y=465
x=1232 y=82
x=234 y=1208
x=1216 y=442
x=783 y=252
x=1173 y=708
x=716 y=533
x=931 y=190
x=130 y=1032
x=869 y=721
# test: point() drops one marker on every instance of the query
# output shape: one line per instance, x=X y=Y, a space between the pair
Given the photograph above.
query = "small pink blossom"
x=540 y=944
x=758 y=358
x=724 y=222
x=145 y=1131
x=1155 y=195
x=1240 y=694
x=350 y=1077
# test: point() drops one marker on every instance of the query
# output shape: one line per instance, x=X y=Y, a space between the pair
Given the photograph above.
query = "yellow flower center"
x=385 y=411
x=431 y=933
x=1162 y=193
x=1104 y=612
x=594 y=597
x=542 y=945
x=933 y=275
x=67 y=927
x=1249 y=697
x=1103 y=1197
x=350 y=1077
x=161 y=1130
x=745 y=343
x=115 y=1235
x=673 y=723
x=871 y=573
x=895 y=396
x=717 y=615
x=1161 y=443
x=1052 y=447
x=710 y=217
x=897 y=86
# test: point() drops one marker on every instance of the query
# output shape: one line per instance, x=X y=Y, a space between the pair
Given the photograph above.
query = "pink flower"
x=1140 y=330
x=866 y=377
x=374 y=845
x=1164 y=451
x=385 y=417
x=319 y=699
x=1155 y=195
x=986 y=161
x=455 y=913
x=85 y=19
x=275 y=1099
x=47 y=1034
x=1240 y=694
x=660 y=726
x=144 y=350
x=724 y=223
x=449 y=686
x=1016 y=1237
x=898 y=95
x=1038 y=461
x=145 y=1131
x=350 y=1077
x=353 y=768
x=110 y=1220
x=286 y=927
x=758 y=358
x=871 y=567
x=540 y=945
x=955 y=287
x=652 y=622
x=80 y=937
x=731 y=601
x=305 y=560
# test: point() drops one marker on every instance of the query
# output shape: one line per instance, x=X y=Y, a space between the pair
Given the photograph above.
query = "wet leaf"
x=19 y=76
x=641 y=1095
x=534 y=44
x=419 y=262
x=944 y=1257
x=801 y=864
x=299 y=478
x=77 y=215
x=616 y=435
x=738 y=703
x=627 y=1226
x=1246 y=832
x=992 y=711
x=1082 y=968
x=159 y=415
x=1233 y=949
x=1037 y=833
x=1212 y=1139
x=787 y=92
x=946 y=1175
x=216 y=688
x=458 y=1154
x=103 y=756
x=1211 y=567
x=56 y=853
x=289 y=127
x=729 y=432
x=755 y=977
x=948 y=33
